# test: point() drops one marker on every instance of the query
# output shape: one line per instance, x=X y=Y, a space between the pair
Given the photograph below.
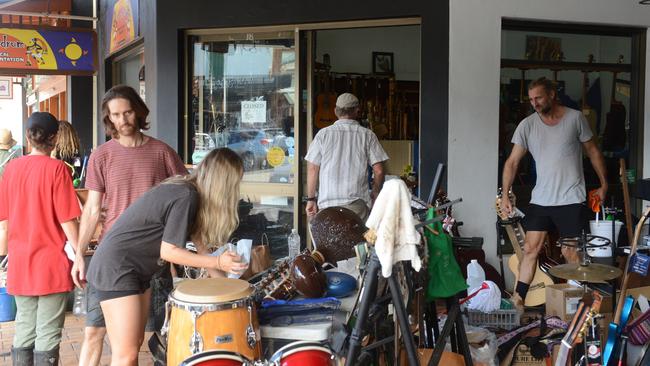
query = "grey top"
x=557 y=151
x=129 y=253
x=343 y=151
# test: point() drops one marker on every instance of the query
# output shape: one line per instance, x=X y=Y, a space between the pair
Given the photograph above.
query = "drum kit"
x=213 y=322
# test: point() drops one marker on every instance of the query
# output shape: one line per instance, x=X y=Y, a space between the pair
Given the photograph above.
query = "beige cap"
x=347 y=100
x=6 y=139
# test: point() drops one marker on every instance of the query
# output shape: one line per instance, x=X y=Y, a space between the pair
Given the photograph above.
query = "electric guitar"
x=625 y=304
x=537 y=291
x=578 y=328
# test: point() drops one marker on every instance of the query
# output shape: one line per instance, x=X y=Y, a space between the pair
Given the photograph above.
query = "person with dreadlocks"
x=67 y=147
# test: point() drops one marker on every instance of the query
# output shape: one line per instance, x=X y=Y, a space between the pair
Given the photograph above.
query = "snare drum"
x=303 y=353
x=215 y=358
x=211 y=314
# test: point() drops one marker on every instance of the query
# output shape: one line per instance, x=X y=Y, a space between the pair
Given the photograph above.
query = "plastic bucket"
x=603 y=228
x=7 y=306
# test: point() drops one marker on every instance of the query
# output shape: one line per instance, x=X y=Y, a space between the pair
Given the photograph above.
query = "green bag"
x=445 y=277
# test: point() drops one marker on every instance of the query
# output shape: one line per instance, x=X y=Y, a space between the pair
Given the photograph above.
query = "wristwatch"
x=310 y=199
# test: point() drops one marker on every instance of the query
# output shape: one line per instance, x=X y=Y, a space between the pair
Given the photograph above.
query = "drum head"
x=300 y=346
x=212 y=290
x=214 y=358
x=336 y=230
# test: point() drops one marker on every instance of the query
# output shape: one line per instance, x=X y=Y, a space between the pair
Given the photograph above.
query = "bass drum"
x=336 y=231
x=303 y=353
x=215 y=358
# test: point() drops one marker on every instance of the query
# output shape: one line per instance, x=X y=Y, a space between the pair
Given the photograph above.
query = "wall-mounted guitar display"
x=388 y=106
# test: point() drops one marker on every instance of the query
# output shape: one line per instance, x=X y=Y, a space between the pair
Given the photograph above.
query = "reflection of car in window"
x=252 y=145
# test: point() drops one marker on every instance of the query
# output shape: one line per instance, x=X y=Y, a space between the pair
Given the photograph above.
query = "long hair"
x=217 y=180
x=137 y=104
x=67 y=144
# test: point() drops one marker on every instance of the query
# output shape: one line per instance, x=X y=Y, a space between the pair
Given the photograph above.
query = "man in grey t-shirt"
x=555 y=136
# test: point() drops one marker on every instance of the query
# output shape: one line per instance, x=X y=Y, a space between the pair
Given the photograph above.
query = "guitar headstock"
x=497 y=204
x=590 y=317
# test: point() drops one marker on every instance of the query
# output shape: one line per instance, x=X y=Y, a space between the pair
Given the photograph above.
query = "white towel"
x=392 y=220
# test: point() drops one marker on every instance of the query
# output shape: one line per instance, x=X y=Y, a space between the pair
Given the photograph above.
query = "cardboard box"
x=562 y=300
x=522 y=357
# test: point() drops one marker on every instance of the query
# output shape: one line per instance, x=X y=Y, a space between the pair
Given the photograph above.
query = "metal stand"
x=368 y=295
x=455 y=329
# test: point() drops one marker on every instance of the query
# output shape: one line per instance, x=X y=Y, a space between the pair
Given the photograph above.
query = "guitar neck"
x=626 y=274
x=516 y=234
x=626 y=198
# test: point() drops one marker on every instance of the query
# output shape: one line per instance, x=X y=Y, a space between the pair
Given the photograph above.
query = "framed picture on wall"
x=382 y=63
x=5 y=88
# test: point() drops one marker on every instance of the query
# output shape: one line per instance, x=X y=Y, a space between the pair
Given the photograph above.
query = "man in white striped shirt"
x=338 y=160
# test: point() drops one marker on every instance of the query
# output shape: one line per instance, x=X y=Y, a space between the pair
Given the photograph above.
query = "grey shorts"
x=161 y=286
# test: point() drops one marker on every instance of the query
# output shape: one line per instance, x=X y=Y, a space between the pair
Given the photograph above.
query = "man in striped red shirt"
x=119 y=171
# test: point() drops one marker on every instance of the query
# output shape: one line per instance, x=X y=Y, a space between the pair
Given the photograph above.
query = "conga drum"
x=212 y=314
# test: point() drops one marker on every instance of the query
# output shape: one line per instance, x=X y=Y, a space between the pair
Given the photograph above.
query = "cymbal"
x=592 y=272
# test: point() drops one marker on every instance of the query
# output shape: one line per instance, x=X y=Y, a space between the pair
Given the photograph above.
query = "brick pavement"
x=70 y=344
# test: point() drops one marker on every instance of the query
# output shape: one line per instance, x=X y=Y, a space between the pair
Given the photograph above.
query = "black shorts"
x=569 y=220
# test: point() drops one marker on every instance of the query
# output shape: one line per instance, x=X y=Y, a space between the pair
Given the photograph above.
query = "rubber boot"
x=46 y=358
x=22 y=356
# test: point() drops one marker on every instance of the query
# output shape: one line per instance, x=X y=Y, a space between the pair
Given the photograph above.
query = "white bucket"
x=603 y=228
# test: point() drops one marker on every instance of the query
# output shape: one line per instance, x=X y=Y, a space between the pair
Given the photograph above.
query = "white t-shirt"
x=343 y=151
x=557 y=151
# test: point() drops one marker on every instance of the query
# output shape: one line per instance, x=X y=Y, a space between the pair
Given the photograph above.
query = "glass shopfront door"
x=241 y=94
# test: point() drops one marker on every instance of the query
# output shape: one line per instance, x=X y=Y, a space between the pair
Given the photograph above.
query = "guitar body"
x=537 y=292
x=325 y=115
x=612 y=347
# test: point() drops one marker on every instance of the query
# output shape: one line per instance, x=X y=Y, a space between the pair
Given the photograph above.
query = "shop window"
x=243 y=98
x=241 y=95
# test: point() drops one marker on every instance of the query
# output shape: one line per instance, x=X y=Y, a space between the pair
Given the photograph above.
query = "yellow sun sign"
x=275 y=156
x=73 y=51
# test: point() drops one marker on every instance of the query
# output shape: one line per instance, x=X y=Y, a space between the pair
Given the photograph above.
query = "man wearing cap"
x=337 y=162
x=39 y=208
x=8 y=149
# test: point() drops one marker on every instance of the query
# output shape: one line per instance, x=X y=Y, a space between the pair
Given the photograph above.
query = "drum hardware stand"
x=457 y=336
x=367 y=297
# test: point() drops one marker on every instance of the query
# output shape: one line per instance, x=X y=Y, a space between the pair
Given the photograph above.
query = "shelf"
x=565 y=66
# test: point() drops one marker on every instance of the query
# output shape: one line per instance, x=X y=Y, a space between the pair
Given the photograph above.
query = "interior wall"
x=576 y=48
x=11 y=113
x=474 y=76
x=351 y=50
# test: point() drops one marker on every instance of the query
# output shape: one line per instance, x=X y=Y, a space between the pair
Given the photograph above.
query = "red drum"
x=215 y=358
x=303 y=353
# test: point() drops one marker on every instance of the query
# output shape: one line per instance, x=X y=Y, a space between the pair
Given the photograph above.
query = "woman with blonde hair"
x=202 y=207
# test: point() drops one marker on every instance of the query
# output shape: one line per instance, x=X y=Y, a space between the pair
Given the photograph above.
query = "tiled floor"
x=70 y=344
